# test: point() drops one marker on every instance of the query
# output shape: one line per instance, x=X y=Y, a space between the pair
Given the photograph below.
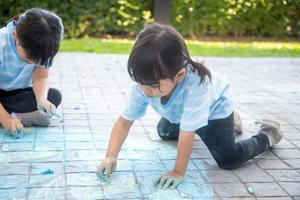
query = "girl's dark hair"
x=159 y=53
x=39 y=32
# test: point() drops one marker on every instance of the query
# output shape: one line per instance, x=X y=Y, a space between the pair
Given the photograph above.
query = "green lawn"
x=196 y=48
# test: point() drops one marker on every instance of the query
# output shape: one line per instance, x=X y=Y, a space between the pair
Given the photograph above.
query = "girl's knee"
x=227 y=161
x=54 y=96
x=167 y=130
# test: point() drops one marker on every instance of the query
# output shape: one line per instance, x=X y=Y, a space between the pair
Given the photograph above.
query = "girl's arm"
x=172 y=178
x=185 y=146
x=118 y=136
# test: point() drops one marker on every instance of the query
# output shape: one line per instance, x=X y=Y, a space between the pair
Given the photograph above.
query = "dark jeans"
x=219 y=137
x=23 y=100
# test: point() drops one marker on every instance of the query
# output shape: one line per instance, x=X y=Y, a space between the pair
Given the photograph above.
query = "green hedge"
x=237 y=17
x=85 y=18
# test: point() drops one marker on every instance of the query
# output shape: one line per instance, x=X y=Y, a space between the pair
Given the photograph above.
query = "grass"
x=196 y=48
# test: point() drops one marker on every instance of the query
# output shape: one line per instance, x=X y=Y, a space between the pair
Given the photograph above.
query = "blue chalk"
x=18 y=134
x=250 y=190
x=47 y=171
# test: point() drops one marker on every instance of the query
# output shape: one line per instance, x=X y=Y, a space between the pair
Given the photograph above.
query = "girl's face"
x=165 y=87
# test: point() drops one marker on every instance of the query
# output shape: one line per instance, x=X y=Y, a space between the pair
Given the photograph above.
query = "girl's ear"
x=15 y=34
x=180 y=75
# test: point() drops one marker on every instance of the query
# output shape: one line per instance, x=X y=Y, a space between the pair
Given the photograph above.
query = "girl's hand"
x=168 y=180
x=12 y=125
x=106 y=168
x=46 y=107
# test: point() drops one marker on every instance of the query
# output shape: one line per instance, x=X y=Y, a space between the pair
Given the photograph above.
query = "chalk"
x=250 y=190
x=47 y=171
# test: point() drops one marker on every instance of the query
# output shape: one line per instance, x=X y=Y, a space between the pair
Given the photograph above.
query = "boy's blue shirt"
x=14 y=72
x=191 y=104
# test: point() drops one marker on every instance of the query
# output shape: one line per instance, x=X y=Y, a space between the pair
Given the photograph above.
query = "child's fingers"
x=12 y=127
x=162 y=182
x=52 y=108
x=168 y=183
x=108 y=170
x=19 y=125
x=156 y=182
x=176 y=182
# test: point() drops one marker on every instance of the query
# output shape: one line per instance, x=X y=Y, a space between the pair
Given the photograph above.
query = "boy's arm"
x=117 y=137
x=41 y=88
x=40 y=83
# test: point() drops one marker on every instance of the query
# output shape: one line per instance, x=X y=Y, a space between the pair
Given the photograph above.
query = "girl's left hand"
x=168 y=180
x=46 y=106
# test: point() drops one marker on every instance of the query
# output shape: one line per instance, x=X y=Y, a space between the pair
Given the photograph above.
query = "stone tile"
x=256 y=175
x=49 y=146
x=53 y=137
x=271 y=164
x=147 y=165
x=82 y=179
x=195 y=186
x=169 y=164
x=294 y=163
x=14 y=168
x=80 y=145
x=122 y=184
x=13 y=193
x=86 y=192
x=46 y=193
x=293 y=188
x=284 y=175
x=13 y=181
x=287 y=153
x=230 y=189
x=11 y=147
x=37 y=168
x=267 y=189
x=206 y=164
x=275 y=198
x=48 y=180
x=217 y=176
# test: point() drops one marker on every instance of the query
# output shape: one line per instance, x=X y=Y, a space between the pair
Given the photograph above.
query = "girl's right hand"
x=106 y=168
x=12 y=125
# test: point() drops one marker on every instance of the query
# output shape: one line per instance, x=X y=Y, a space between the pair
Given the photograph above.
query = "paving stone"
x=93 y=102
x=284 y=175
x=86 y=192
x=271 y=164
x=257 y=174
x=230 y=189
x=46 y=193
x=293 y=188
x=267 y=189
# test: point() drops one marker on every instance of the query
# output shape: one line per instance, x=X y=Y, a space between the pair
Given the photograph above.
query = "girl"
x=28 y=45
x=190 y=99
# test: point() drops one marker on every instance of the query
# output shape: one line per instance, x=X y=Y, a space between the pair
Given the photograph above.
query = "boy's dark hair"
x=39 y=32
x=159 y=53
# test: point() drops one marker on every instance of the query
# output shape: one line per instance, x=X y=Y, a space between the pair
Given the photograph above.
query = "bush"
x=87 y=18
x=237 y=17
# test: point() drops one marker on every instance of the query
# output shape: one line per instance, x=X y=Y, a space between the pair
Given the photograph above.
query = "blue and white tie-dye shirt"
x=14 y=72
x=191 y=104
